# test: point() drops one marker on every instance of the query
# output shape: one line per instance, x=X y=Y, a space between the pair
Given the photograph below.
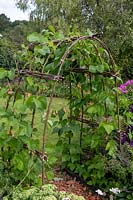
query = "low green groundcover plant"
x=47 y=192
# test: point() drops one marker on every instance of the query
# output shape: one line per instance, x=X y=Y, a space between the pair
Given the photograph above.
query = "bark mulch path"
x=65 y=182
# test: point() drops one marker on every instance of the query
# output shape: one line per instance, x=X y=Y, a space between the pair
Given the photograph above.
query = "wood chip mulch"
x=65 y=182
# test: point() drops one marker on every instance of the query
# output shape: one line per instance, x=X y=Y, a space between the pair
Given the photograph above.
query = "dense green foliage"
x=16 y=134
x=114 y=18
x=89 y=134
x=94 y=131
x=12 y=36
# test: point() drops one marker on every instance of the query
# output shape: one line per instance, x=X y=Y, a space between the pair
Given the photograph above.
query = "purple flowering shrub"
x=127 y=88
x=123 y=87
x=120 y=168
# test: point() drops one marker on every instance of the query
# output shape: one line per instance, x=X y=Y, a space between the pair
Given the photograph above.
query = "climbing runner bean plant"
x=89 y=130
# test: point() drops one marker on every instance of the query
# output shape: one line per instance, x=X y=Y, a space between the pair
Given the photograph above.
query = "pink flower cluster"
x=122 y=87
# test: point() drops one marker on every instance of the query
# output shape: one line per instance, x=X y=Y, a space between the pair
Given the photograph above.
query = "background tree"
x=113 y=17
x=12 y=36
x=4 y=22
x=61 y=14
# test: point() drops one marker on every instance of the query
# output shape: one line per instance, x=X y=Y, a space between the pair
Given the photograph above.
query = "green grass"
x=51 y=139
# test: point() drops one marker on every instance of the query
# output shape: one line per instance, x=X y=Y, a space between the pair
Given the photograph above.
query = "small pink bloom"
x=125 y=91
x=122 y=87
x=128 y=83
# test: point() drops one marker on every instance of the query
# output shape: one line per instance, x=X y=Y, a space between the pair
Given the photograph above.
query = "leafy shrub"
x=47 y=192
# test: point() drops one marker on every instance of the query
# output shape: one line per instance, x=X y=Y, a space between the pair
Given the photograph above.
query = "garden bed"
x=70 y=184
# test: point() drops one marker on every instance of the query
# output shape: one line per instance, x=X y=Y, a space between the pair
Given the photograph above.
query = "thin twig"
x=40 y=75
